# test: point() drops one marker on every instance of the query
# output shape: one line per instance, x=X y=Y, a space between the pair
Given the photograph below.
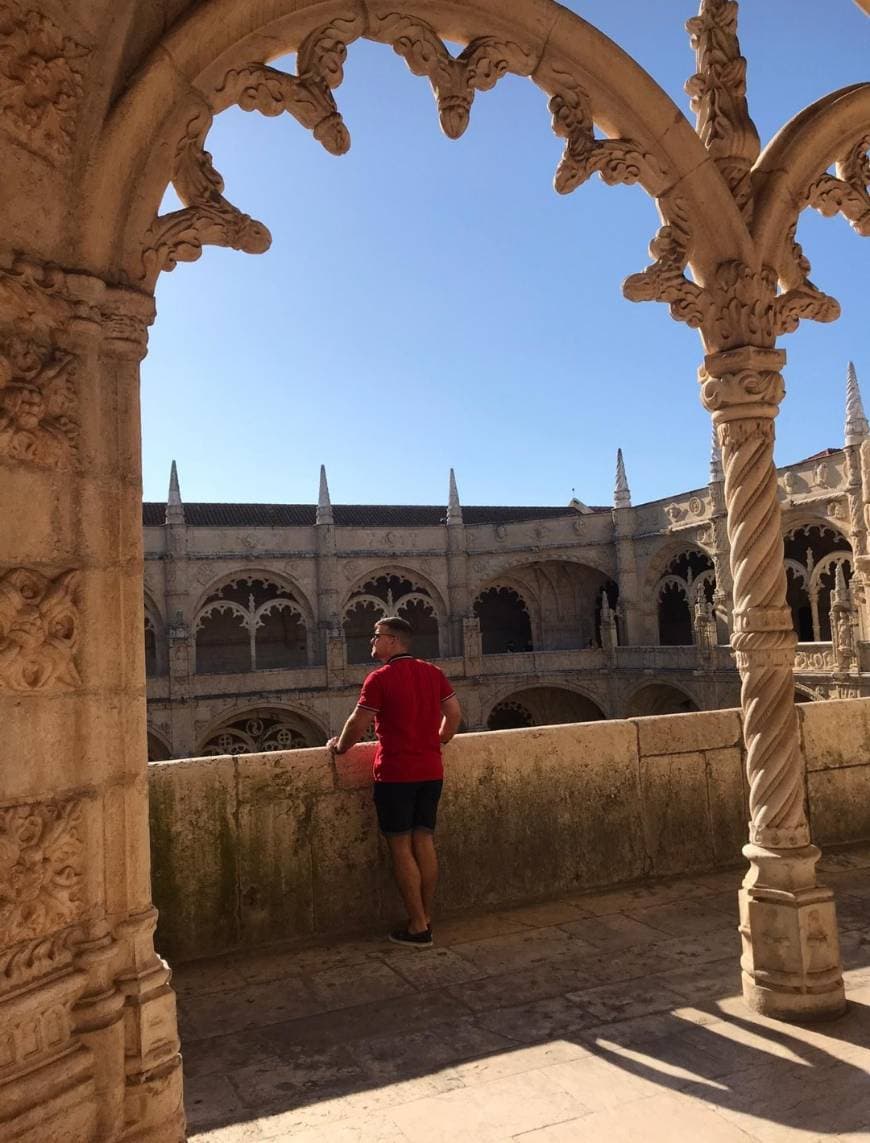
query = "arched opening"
x=260 y=731
x=504 y=621
x=250 y=624
x=390 y=594
x=542 y=706
x=152 y=659
x=158 y=751
x=801 y=695
x=812 y=553
x=687 y=581
x=660 y=698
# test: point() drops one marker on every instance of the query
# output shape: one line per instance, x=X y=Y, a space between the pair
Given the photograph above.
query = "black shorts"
x=405 y=806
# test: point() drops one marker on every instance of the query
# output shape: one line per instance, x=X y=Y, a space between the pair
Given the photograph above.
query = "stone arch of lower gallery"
x=158 y=747
x=252 y=621
x=687 y=580
x=813 y=549
x=261 y=729
x=659 y=698
x=542 y=706
x=393 y=592
x=549 y=605
x=804 y=694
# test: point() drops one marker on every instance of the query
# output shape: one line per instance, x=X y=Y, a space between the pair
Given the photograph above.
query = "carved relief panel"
x=39 y=629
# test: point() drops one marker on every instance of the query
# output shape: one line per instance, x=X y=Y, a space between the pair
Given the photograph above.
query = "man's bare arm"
x=352 y=731
x=452 y=717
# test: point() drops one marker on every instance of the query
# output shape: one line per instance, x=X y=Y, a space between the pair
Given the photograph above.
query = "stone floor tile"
x=518 y=950
x=639 y=897
x=298 y=1076
x=614 y=1002
x=224 y=1054
x=212 y=1101
x=537 y=982
x=852 y=912
x=380 y=1128
x=552 y=1018
x=490 y=1112
x=368 y=982
x=416 y=1010
x=705 y=981
x=683 y=918
x=476 y=927
x=614 y=931
x=233 y=1133
x=517 y=1059
x=546 y=913
x=201 y=977
x=253 y=1006
x=599 y=1084
x=432 y=969
x=721 y=944
x=664 y=1118
x=276 y=963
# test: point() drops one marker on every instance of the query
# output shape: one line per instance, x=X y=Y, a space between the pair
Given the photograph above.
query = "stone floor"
x=609 y=1017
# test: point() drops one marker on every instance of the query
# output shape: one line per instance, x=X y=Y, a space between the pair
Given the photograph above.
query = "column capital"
x=744 y=382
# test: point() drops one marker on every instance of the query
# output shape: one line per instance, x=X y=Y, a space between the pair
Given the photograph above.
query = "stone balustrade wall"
x=259 y=848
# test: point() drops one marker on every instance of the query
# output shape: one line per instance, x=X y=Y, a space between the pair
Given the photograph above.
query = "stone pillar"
x=88 y=1040
x=180 y=634
x=630 y=611
x=724 y=594
x=791 y=961
x=328 y=619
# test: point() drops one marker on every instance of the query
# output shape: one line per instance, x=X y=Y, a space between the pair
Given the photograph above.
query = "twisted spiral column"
x=742 y=389
x=790 y=962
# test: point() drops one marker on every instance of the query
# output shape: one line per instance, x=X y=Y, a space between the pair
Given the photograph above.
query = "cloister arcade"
x=106 y=104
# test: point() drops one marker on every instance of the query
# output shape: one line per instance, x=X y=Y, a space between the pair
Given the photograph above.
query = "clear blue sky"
x=429 y=303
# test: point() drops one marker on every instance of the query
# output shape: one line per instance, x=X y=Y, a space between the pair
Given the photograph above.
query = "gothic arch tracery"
x=261 y=730
x=250 y=623
x=392 y=593
x=684 y=593
x=813 y=551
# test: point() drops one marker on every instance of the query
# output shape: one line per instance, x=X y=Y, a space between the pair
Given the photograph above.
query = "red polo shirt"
x=405 y=696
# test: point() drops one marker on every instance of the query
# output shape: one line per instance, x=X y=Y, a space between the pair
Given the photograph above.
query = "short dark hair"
x=397 y=626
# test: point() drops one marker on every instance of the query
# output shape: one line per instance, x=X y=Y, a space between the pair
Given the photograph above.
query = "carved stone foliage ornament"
x=39 y=630
x=454 y=79
x=37 y=403
x=41 y=863
x=41 y=79
x=208 y=218
x=849 y=192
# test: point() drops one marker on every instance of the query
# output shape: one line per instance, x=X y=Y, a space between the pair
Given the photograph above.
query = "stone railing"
x=258 y=848
x=815 y=658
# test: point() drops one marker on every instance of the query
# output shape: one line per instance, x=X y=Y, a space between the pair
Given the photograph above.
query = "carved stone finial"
x=857 y=428
x=718 y=96
x=717 y=474
x=174 y=506
x=324 y=504
x=621 y=492
x=454 y=508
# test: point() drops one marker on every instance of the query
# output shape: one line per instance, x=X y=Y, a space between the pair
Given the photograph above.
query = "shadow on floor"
x=576 y=1017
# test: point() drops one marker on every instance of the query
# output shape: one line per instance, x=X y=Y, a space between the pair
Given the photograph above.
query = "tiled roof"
x=349 y=515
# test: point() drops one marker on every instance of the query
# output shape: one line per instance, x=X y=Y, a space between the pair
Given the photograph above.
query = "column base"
x=788 y=924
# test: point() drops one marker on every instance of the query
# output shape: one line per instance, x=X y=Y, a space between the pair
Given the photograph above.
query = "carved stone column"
x=791 y=961
x=88 y=1040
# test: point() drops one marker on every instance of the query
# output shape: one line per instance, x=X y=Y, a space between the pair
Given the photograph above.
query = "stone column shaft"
x=790 y=950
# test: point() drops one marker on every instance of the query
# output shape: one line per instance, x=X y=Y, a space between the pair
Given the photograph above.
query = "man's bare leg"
x=409 y=880
x=423 y=845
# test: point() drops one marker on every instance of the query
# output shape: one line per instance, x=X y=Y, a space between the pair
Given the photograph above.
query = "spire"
x=174 y=506
x=839 y=595
x=716 y=473
x=621 y=493
x=856 y=423
x=324 y=504
x=454 y=508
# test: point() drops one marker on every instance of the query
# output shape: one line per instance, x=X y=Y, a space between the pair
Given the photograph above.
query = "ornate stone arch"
x=251 y=629
x=267 y=575
x=282 y=715
x=416 y=599
x=634 y=703
x=156 y=650
x=526 y=604
x=538 y=696
x=403 y=571
x=551 y=680
x=159 y=749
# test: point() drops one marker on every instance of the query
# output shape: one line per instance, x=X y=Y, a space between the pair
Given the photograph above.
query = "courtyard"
x=606 y=1016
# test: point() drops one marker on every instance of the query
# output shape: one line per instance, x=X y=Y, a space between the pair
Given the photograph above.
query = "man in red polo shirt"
x=415 y=712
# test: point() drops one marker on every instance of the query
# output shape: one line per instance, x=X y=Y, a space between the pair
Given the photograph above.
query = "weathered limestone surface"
x=105 y=102
x=259 y=848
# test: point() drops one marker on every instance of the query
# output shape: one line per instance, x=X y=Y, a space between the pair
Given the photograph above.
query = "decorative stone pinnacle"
x=174 y=506
x=839 y=595
x=324 y=504
x=454 y=508
x=621 y=493
x=717 y=474
x=857 y=428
